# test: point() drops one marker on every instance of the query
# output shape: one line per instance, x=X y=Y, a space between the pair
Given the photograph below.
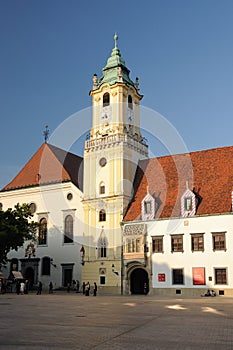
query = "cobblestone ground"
x=73 y=321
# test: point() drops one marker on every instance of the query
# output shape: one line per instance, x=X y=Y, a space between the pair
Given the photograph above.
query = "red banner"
x=198 y=275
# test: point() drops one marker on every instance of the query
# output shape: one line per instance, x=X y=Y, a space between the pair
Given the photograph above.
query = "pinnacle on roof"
x=115 y=70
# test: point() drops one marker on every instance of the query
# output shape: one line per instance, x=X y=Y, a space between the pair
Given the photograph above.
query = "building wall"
x=163 y=263
x=52 y=203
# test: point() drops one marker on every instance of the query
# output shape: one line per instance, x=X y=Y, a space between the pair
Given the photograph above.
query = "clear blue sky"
x=182 y=51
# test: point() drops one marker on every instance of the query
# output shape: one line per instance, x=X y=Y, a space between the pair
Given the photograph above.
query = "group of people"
x=22 y=287
x=210 y=293
x=87 y=288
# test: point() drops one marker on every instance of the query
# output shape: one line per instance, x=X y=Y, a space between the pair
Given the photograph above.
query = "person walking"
x=50 y=287
x=26 y=289
x=77 y=286
x=87 y=289
x=84 y=286
x=17 y=287
x=39 y=288
x=94 y=289
x=22 y=286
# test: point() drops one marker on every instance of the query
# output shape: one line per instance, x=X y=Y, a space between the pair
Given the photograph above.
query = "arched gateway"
x=139 y=281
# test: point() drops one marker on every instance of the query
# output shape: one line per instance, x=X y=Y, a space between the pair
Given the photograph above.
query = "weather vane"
x=46 y=133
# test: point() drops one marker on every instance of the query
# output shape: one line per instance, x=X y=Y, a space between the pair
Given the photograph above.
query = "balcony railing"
x=107 y=140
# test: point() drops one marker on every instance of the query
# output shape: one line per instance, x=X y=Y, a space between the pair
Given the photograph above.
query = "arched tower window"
x=68 y=230
x=102 y=215
x=45 y=266
x=102 y=188
x=106 y=99
x=42 y=238
x=102 y=246
x=130 y=102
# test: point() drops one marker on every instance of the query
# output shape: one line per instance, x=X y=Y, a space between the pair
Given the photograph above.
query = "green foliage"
x=15 y=228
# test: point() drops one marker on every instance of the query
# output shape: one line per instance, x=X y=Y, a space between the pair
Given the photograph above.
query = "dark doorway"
x=138 y=281
x=67 y=277
x=29 y=275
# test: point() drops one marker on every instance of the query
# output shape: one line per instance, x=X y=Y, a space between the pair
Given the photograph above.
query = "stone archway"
x=138 y=280
x=31 y=266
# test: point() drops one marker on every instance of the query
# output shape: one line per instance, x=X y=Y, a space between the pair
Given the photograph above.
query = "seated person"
x=207 y=294
x=212 y=293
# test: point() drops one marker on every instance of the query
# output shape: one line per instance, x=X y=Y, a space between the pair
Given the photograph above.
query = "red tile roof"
x=49 y=164
x=167 y=177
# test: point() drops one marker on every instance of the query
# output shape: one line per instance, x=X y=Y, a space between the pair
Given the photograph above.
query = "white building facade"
x=193 y=256
x=57 y=205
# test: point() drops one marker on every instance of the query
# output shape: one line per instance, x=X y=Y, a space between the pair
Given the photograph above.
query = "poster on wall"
x=198 y=275
x=161 y=277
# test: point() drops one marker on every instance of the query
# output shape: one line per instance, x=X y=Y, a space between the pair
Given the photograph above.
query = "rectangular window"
x=138 y=245
x=46 y=262
x=197 y=242
x=219 y=242
x=188 y=203
x=102 y=252
x=102 y=215
x=102 y=189
x=177 y=276
x=177 y=243
x=147 y=207
x=102 y=279
x=157 y=244
x=133 y=245
x=220 y=276
x=128 y=246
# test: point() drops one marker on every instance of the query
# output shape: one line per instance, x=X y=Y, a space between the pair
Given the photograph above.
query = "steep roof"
x=209 y=174
x=48 y=165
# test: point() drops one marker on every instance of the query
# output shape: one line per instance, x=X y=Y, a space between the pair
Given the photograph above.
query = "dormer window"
x=130 y=102
x=188 y=203
x=106 y=99
x=147 y=207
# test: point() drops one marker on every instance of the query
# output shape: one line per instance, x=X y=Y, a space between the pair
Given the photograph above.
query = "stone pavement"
x=73 y=321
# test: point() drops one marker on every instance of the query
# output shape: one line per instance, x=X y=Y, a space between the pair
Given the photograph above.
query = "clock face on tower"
x=106 y=114
x=130 y=115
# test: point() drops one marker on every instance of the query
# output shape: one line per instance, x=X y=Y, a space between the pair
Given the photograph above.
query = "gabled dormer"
x=149 y=207
x=188 y=203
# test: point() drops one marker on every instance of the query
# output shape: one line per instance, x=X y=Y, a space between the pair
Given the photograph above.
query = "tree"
x=15 y=228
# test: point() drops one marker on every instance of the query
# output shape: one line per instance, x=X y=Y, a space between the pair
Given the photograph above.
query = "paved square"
x=73 y=321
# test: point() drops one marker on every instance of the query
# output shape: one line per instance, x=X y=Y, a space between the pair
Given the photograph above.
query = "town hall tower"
x=111 y=155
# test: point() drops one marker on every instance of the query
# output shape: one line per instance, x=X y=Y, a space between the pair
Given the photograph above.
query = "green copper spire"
x=115 y=70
